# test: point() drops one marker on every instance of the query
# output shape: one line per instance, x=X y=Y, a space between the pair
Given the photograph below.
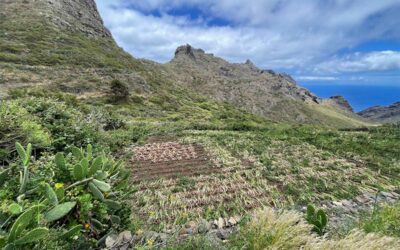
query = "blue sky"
x=319 y=42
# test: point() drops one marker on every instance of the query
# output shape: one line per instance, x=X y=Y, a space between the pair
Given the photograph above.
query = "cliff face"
x=57 y=32
x=72 y=15
x=339 y=102
x=383 y=114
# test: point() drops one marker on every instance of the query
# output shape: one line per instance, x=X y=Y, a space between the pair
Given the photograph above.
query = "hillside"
x=100 y=150
x=264 y=92
x=70 y=39
x=389 y=114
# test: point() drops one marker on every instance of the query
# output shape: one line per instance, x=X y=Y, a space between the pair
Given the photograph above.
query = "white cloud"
x=317 y=78
x=363 y=62
x=275 y=34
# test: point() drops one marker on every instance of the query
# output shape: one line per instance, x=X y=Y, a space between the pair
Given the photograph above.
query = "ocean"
x=360 y=97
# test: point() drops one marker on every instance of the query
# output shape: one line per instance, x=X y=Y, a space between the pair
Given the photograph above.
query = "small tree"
x=119 y=90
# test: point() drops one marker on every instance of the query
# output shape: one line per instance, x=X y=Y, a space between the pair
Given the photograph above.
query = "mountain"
x=64 y=44
x=264 y=92
x=382 y=114
x=57 y=32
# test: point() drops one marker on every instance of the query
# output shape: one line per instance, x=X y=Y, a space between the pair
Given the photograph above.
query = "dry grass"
x=288 y=230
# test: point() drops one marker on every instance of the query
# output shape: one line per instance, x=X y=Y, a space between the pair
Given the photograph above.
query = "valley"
x=109 y=151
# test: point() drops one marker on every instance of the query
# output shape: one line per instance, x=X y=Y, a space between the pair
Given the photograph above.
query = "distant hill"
x=382 y=114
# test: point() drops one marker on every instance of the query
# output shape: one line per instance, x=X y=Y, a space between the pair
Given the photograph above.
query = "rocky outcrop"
x=383 y=114
x=72 y=15
x=339 y=102
x=264 y=92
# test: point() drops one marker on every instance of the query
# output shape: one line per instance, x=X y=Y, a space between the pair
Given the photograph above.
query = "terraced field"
x=214 y=174
x=170 y=159
x=177 y=182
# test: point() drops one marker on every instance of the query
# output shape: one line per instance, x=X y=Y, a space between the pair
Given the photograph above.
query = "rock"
x=340 y=102
x=361 y=199
x=120 y=242
x=125 y=236
x=337 y=203
x=220 y=223
x=387 y=195
x=110 y=240
x=347 y=203
x=232 y=221
x=163 y=237
x=222 y=234
x=204 y=226
x=214 y=224
x=191 y=224
x=150 y=235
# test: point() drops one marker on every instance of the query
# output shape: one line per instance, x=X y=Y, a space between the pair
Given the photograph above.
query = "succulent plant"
x=18 y=236
x=25 y=156
x=317 y=218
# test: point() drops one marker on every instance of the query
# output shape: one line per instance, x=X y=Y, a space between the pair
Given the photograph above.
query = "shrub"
x=119 y=91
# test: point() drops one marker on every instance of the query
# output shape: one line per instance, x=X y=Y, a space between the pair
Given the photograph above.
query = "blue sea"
x=360 y=97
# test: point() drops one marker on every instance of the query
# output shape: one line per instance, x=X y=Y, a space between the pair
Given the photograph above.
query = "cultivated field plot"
x=177 y=182
x=169 y=159
x=213 y=174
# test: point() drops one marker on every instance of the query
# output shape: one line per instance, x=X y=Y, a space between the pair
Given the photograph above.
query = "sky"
x=319 y=42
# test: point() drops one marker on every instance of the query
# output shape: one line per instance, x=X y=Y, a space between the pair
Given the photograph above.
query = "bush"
x=17 y=124
x=119 y=91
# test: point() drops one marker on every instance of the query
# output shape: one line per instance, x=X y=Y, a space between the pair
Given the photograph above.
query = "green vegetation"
x=119 y=91
x=257 y=163
x=67 y=153
x=317 y=218
x=32 y=41
x=79 y=196
x=384 y=220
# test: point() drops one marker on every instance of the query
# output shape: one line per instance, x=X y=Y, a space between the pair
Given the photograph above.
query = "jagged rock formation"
x=265 y=92
x=382 y=114
x=340 y=102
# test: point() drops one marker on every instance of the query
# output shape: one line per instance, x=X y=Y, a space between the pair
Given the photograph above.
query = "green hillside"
x=99 y=150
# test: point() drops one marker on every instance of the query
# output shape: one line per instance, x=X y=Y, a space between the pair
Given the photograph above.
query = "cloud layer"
x=302 y=37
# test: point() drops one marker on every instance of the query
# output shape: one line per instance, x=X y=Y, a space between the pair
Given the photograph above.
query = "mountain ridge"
x=264 y=92
x=385 y=114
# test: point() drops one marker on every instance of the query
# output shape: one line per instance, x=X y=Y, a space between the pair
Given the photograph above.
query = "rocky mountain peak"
x=188 y=51
x=251 y=65
x=340 y=102
x=72 y=15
